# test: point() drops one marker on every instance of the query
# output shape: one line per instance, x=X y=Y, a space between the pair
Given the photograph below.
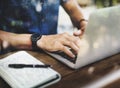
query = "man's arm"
x=18 y=41
x=50 y=43
x=75 y=13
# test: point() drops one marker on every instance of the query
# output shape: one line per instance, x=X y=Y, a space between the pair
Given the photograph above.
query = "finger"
x=67 y=51
x=77 y=33
x=71 y=41
x=75 y=40
x=82 y=31
x=72 y=46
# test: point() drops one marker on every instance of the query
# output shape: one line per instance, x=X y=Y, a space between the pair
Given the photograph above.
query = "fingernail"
x=79 y=31
x=73 y=56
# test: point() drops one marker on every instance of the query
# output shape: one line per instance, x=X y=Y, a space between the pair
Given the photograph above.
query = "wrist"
x=40 y=42
x=82 y=22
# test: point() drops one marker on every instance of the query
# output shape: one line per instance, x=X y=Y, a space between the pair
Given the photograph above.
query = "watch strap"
x=34 y=38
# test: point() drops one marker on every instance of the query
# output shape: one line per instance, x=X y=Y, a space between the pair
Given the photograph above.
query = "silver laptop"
x=101 y=39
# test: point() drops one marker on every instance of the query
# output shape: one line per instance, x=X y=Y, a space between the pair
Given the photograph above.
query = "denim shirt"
x=29 y=16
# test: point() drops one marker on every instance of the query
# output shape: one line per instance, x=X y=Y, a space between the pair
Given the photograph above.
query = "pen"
x=28 y=66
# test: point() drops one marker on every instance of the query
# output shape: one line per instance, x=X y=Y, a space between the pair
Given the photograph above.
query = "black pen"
x=28 y=66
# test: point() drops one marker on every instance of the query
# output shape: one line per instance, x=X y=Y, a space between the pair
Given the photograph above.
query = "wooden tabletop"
x=76 y=78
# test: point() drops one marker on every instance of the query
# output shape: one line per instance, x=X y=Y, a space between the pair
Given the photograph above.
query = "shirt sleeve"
x=63 y=1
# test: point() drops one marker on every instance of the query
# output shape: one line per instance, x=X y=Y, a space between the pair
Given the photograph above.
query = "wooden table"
x=76 y=78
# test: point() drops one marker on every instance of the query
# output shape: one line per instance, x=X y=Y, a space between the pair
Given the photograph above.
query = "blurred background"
x=98 y=3
x=87 y=6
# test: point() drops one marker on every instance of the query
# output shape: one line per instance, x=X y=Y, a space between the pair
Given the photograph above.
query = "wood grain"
x=76 y=78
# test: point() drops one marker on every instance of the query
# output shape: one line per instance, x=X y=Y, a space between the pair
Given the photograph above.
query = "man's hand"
x=81 y=31
x=76 y=15
x=59 y=42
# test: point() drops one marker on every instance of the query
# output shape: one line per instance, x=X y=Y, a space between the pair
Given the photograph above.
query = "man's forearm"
x=19 y=41
x=74 y=11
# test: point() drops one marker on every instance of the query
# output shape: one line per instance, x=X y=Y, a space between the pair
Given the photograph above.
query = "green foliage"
x=106 y=3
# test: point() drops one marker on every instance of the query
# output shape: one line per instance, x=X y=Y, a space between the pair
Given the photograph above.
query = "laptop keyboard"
x=65 y=56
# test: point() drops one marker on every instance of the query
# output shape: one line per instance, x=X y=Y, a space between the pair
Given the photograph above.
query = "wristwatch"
x=34 y=38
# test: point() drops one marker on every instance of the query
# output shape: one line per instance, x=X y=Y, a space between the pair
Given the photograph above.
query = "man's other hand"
x=81 y=31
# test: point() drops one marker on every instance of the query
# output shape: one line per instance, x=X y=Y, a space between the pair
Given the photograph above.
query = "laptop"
x=101 y=39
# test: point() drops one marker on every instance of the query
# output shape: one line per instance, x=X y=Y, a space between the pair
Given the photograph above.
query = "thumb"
x=77 y=33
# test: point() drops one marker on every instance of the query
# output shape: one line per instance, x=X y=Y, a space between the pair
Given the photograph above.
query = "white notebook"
x=26 y=77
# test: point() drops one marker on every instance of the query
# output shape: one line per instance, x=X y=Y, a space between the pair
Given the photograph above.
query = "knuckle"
x=76 y=39
x=65 y=34
x=56 y=43
x=64 y=48
x=61 y=47
x=70 y=43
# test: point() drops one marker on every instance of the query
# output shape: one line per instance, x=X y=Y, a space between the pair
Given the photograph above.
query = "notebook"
x=26 y=77
x=101 y=39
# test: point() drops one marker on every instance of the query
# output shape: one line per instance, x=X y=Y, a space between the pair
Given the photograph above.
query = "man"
x=31 y=24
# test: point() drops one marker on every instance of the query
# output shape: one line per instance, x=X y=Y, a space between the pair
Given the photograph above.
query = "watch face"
x=34 y=38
